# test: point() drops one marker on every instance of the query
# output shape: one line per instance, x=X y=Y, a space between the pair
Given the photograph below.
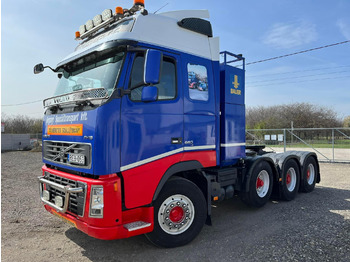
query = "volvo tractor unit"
x=146 y=129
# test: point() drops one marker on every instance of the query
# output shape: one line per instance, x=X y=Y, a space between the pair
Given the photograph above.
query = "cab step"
x=137 y=225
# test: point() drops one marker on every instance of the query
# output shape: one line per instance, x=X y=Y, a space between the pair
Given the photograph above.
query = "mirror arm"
x=53 y=70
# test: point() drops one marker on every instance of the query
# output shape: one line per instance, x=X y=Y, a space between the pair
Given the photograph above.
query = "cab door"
x=151 y=132
x=199 y=106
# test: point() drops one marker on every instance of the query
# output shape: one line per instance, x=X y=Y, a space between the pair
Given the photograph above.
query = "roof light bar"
x=97 y=20
x=107 y=14
x=89 y=25
x=107 y=18
x=82 y=29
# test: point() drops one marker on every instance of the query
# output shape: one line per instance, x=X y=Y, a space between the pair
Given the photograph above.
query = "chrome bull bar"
x=67 y=190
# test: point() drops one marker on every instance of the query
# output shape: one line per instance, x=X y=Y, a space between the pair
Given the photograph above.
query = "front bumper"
x=115 y=223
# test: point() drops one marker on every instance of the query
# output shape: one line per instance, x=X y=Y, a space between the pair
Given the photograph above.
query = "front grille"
x=57 y=151
x=76 y=201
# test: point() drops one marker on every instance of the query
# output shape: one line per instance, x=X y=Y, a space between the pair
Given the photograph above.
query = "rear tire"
x=260 y=186
x=290 y=180
x=309 y=175
x=179 y=214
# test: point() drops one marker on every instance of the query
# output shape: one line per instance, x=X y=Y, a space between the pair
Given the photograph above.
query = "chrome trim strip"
x=151 y=159
x=173 y=152
x=232 y=144
x=191 y=148
x=73 y=97
x=66 y=189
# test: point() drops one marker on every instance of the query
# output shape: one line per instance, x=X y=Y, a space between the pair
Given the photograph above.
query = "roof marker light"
x=77 y=34
x=82 y=29
x=106 y=14
x=139 y=2
x=89 y=25
x=119 y=10
x=97 y=20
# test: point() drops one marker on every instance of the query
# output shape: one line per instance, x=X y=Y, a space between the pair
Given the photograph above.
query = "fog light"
x=59 y=201
x=96 y=201
x=46 y=195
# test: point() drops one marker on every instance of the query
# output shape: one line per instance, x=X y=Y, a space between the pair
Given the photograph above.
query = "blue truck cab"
x=146 y=128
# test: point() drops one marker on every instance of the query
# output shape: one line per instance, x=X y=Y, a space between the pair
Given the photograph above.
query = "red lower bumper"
x=114 y=221
x=110 y=233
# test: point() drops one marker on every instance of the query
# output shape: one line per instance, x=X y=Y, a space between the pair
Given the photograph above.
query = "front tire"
x=179 y=214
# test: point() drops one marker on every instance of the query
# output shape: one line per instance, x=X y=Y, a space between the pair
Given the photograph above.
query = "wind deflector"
x=197 y=25
x=99 y=48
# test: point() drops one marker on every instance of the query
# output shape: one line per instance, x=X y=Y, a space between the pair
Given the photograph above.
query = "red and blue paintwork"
x=133 y=140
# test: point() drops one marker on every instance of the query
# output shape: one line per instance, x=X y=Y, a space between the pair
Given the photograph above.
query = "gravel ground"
x=313 y=227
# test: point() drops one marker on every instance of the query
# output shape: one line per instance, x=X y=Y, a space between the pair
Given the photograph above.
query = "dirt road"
x=313 y=227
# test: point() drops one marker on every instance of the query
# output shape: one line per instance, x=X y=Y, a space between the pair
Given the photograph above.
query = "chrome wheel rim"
x=291 y=179
x=262 y=183
x=176 y=214
x=310 y=174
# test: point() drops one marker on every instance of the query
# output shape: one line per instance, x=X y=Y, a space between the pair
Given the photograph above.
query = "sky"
x=42 y=31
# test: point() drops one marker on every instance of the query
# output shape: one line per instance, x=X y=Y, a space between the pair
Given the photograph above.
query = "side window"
x=197 y=82
x=167 y=85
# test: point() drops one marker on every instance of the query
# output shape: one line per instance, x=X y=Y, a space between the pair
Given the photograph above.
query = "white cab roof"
x=162 y=30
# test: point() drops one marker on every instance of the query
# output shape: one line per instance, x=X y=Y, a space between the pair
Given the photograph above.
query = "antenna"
x=161 y=8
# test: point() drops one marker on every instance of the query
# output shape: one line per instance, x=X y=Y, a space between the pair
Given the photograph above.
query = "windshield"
x=99 y=73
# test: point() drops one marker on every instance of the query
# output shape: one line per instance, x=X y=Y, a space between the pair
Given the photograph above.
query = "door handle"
x=176 y=140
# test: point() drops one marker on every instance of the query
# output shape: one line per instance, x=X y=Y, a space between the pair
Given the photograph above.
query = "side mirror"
x=38 y=68
x=153 y=63
x=149 y=94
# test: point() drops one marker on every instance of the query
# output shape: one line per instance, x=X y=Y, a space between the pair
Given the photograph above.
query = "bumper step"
x=137 y=225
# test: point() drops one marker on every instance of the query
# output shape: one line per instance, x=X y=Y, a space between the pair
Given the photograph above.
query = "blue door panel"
x=148 y=135
x=200 y=130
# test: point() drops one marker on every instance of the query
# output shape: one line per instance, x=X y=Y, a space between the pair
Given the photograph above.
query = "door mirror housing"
x=38 y=68
x=152 y=67
x=149 y=94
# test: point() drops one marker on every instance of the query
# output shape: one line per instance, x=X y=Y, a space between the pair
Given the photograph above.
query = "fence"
x=330 y=144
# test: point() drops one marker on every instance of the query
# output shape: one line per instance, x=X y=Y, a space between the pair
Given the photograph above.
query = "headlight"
x=96 y=201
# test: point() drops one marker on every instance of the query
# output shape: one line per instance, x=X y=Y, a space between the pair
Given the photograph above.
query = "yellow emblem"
x=236 y=85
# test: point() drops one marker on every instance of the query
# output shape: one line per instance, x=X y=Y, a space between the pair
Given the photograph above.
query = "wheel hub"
x=288 y=179
x=259 y=183
x=176 y=214
x=262 y=183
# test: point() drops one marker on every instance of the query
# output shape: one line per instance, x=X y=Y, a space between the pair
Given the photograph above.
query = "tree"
x=346 y=122
x=21 y=124
x=303 y=115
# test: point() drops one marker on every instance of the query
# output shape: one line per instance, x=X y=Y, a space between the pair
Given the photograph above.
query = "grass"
x=316 y=145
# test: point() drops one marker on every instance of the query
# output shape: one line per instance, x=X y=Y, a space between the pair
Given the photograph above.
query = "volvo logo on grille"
x=63 y=151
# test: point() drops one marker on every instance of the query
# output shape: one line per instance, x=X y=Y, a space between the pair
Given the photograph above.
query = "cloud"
x=344 y=27
x=284 y=36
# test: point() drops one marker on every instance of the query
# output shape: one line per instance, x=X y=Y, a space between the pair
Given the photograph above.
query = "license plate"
x=76 y=159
